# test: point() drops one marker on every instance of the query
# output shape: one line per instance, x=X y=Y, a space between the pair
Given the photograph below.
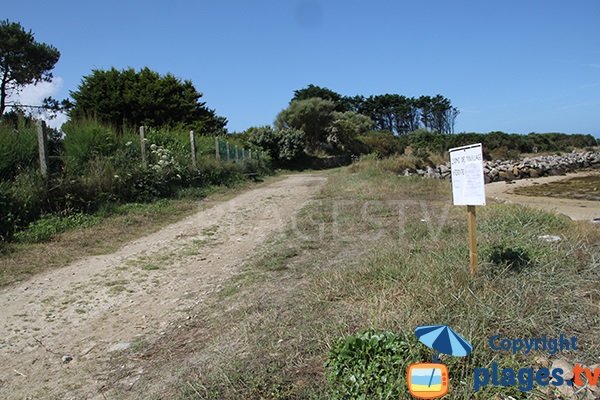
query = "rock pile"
x=534 y=167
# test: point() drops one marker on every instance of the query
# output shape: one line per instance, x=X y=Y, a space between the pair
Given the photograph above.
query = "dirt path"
x=101 y=305
x=574 y=209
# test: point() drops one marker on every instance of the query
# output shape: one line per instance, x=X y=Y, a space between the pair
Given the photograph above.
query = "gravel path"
x=59 y=329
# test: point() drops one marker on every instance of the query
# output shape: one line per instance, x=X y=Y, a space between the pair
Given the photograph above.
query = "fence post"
x=227 y=148
x=250 y=154
x=42 y=138
x=217 y=154
x=193 y=146
x=243 y=153
x=143 y=146
x=236 y=152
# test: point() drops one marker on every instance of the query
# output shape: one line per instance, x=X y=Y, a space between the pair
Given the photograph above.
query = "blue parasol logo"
x=443 y=339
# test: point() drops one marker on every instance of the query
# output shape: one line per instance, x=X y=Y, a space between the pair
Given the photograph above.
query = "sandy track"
x=100 y=305
x=573 y=208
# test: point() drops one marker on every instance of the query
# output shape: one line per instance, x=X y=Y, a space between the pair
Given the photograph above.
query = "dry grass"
x=375 y=250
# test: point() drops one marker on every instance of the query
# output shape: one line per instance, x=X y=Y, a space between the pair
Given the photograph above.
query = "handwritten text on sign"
x=467 y=175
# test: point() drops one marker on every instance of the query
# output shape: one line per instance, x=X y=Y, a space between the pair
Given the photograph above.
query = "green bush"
x=176 y=142
x=104 y=167
x=499 y=144
x=18 y=148
x=291 y=144
x=21 y=201
x=86 y=140
x=284 y=145
x=370 y=365
x=382 y=143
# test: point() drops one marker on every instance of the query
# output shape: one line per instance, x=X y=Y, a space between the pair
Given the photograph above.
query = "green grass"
x=48 y=226
x=403 y=265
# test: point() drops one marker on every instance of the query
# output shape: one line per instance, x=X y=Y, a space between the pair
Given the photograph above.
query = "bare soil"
x=570 y=203
x=60 y=329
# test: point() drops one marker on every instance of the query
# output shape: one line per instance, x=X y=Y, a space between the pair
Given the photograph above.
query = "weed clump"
x=370 y=365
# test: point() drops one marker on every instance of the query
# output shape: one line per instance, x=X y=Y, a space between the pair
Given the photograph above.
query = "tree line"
x=319 y=120
x=391 y=112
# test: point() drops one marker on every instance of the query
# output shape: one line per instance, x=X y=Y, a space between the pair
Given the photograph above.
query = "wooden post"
x=143 y=146
x=236 y=152
x=227 y=148
x=193 y=146
x=472 y=239
x=250 y=154
x=217 y=154
x=42 y=138
x=243 y=153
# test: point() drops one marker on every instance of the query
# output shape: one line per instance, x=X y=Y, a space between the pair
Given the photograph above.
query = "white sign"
x=467 y=175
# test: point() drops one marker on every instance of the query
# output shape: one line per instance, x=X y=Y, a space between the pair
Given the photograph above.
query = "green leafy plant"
x=21 y=201
x=370 y=365
x=44 y=228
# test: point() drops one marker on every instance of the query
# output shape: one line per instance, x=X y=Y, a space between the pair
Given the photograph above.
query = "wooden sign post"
x=42 y=148
x=468 y=189
x=193 y=148
x=143 y=146
x=472 y=239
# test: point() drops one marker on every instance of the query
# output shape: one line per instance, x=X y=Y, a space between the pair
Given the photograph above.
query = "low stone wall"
x=533 y=167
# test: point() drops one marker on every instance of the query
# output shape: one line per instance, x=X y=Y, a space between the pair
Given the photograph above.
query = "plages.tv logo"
x=430 y=380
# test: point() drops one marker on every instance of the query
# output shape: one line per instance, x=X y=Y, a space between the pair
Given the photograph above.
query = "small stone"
x=67 y=359
x=567 y=392
x=550 y=238
x=119 y=346
x=566 y=366
x=541 y=361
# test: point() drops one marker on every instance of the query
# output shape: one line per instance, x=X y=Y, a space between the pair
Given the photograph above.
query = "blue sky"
x=516 y=66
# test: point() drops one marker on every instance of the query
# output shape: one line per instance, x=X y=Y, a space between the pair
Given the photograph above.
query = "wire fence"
x=198 y=146
x=89 y=165
x=225 y=151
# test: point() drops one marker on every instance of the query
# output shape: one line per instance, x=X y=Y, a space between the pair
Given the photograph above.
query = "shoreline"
x=577 y=210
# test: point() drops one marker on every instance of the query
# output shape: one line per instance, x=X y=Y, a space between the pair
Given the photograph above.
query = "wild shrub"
x=21 y=201
x=382 y=143
x=46 y=227
x=18 y=148
x=86 y=140
x=370 y=365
